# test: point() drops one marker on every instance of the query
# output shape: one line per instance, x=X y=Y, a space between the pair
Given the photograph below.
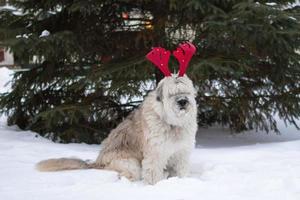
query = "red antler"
x=184 y=54
x=160 y=58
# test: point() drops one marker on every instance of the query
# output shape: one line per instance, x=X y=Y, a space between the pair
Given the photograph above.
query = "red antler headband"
x=184 y=54
x=160 y=57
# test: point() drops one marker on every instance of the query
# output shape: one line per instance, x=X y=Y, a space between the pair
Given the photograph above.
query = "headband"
x=160 y=57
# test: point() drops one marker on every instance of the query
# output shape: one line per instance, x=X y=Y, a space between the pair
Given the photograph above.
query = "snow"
x=222 y=166
x=249 y=166
x=271 y=3
x=11 y=9
x=7 y=8
x=26 y=36
x=45 y=33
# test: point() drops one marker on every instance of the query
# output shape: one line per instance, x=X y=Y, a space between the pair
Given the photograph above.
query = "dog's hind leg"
x=128 y=167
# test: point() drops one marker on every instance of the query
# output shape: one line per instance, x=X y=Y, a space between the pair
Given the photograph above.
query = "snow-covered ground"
x=247 y=166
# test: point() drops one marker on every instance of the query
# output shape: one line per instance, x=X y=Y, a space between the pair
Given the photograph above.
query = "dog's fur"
x=152 y=143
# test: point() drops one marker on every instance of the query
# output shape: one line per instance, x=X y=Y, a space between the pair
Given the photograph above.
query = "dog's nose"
x=182 y=102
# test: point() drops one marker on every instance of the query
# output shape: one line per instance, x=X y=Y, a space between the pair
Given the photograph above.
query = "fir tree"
x=86 y=57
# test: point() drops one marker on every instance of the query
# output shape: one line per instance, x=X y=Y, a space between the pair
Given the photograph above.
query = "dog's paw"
x=151 y=177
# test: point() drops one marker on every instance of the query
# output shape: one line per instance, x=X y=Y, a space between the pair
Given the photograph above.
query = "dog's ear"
x=159 y=92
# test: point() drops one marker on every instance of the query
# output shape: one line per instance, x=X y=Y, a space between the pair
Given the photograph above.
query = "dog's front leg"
x=180 y=163
x=153 y=168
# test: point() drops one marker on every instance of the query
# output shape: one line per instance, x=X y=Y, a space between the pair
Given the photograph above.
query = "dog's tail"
x=64 y=164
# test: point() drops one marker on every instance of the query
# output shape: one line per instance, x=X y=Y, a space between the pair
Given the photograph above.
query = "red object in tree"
x=1 y=55
x=160 y=58
x=184 y=54
x=125 y=15
x=106 y=58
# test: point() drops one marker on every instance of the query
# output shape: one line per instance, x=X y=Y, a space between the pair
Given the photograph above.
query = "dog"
x=155 y=141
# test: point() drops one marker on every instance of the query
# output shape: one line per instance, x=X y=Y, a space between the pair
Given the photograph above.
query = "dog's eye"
x=158 y=98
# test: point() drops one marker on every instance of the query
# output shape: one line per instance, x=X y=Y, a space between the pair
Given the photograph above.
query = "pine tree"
x=88 y=69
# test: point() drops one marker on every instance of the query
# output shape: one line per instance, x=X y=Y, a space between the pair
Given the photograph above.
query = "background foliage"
x=90 y=71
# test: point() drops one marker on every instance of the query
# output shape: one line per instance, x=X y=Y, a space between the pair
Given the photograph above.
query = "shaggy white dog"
x=155 y=141
x=152 y=143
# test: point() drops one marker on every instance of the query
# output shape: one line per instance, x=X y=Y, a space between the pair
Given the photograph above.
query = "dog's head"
x=175 y=92
x=176 y=99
